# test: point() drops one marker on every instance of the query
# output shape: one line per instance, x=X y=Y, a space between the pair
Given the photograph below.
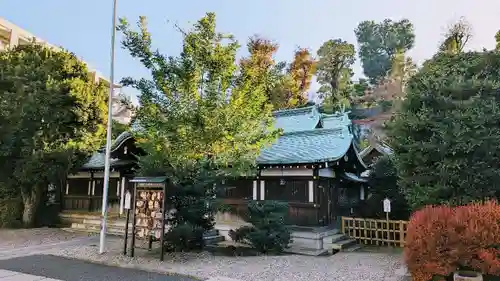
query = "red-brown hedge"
x=442 y=239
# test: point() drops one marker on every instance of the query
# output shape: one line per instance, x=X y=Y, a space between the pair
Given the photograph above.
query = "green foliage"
x=11 y=211
x=497 y=40
x=402 y=68
x=268 y=232
x=118 y=128
x=360 y=87
x=184 y=237
x=383 y=183
x=191 y=198
x=379 y=42
x=334 y=71
x=290 y=82
x=39 y=144
x=196 y=107
x=202 y=116
x=446 y=135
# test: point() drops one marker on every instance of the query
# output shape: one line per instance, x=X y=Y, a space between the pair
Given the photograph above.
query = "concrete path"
x=6 y=275
x=57 y=268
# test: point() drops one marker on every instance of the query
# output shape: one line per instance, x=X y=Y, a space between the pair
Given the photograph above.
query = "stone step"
x=210 y=237
x=114 y=222
x=93 y=231
x=306 y=251
x=213 y=239
x=97 y=228
x=212 y=232
x=93 y=216
x=334 y=238
x=352 y=248
x=343 y=244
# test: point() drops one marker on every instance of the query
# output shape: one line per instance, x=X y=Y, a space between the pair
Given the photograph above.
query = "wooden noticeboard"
x=148 y=214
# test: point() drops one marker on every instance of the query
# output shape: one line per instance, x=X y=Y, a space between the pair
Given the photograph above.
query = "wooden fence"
x=375 y=232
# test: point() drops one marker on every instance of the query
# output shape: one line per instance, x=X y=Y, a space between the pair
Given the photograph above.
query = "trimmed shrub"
x=11 y=212
x=268 y=233
x=184 y=237
x=442 y=239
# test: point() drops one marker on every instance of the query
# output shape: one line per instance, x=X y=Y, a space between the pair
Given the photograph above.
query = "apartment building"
x=12 y=35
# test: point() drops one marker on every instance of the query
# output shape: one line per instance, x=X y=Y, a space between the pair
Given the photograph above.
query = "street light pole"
x=104 y=216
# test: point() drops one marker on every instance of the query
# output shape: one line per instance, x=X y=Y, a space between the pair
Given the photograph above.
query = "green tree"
x=383 y=181
x=457 y=36
x=402 y=68
x=497 y=40
x=118 y=128
x=446 y=136
x=379 y=43
x=334 y=71
x=51 y=113
x=360 y=87
x=202 y=116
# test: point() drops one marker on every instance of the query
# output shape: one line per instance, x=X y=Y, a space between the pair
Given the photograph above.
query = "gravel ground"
x=20 y=238
x=342 y=266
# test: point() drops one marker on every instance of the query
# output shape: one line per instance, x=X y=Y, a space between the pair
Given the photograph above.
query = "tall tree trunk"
x=31 y=201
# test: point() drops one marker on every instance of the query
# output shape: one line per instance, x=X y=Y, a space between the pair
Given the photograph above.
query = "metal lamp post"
x=104 y=215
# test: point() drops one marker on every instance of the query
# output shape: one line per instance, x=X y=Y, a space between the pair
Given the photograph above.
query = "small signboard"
x=387 y=205
x=128 y=201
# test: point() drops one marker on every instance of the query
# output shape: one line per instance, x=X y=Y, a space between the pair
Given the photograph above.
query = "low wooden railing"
x=85 y=202
x=375 y=232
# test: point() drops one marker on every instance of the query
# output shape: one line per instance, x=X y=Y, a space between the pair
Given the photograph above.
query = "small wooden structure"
x=149 y=212
x=83 y=190
x=313 y=166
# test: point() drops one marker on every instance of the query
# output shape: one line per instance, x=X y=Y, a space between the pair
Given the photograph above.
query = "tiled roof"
x=96 y=160
x=299 y=119
x=302 y=142
x=312 y=146
x=339 y=120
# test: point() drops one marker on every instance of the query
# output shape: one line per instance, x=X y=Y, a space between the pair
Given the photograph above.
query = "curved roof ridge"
x=118 y=141
x=294 y=111
x=313 y=131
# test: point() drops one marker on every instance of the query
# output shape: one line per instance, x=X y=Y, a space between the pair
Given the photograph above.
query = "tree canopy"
x=445 y=137
x=287 y=83
x=202 y=115
x=497 y=40
x=198 y=106
x=52 y=114
x=379 y=43
x=334 y=70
